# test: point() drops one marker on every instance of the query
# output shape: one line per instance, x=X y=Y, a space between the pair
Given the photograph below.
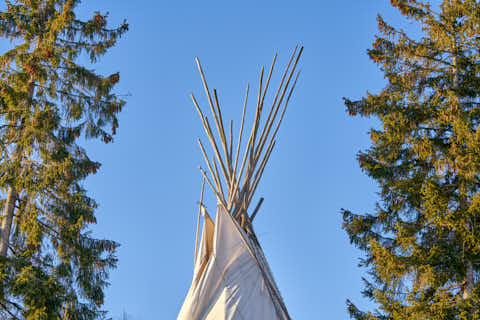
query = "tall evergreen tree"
x=50 y=265
x=422 y=243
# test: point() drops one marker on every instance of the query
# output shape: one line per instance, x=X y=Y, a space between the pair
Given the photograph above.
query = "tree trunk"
x=469 y=281
x=7 y=220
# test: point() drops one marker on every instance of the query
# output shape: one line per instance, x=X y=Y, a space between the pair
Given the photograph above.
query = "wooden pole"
x=217 y=194
x=209 y=132
x=259 y=173
x=277 y=93
x=198 y=222
x=207 y=161
x=241 y=183
x=258 y=112
x=215 y=149
x=262 y=143
x=281 y=116
x=223 y=138
x=235 y=178
x=217 y=116
x=285 y=108
x=268 y=79
x=230 y=151
x=241 y=129
x=220 y=188
x=259 y=204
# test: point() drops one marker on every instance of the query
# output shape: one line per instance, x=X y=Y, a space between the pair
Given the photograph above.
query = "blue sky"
x=149 y=183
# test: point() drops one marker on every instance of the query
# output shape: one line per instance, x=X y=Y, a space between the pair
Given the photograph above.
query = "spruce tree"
x=422 y=242
x=50 y=265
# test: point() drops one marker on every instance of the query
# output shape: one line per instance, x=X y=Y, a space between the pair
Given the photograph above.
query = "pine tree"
x=50 y=265
x=422 y=243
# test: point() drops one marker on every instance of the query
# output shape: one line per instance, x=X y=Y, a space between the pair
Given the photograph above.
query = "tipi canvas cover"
x=231 y=278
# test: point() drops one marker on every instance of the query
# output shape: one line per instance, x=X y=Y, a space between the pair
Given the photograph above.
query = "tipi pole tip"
x=256 y=209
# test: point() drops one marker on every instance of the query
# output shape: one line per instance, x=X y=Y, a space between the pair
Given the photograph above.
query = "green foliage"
x=422 y=245
x=54 y=269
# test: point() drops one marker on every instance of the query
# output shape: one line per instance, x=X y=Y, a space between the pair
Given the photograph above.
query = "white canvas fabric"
x=229 y=282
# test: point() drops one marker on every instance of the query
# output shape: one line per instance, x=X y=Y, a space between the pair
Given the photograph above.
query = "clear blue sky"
x=149 y=184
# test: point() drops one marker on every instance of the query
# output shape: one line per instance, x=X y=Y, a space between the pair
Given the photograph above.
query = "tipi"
x=231 y=278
